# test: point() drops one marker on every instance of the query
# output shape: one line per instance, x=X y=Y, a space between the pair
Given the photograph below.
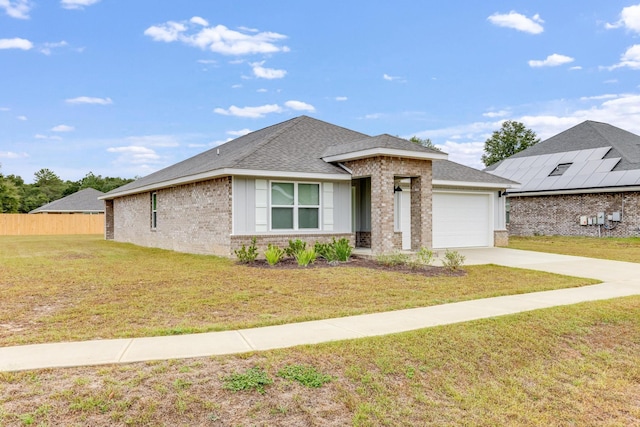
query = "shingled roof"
x=590 y=155
x=301 y=147
x=83 y=201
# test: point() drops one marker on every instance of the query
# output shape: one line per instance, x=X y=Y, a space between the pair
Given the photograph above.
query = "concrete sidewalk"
x=620 y=279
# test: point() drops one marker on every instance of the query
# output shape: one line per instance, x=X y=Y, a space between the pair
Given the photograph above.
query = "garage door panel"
x=461 y=220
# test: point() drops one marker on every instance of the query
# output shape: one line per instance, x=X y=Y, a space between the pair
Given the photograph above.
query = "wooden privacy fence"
x=42 y=224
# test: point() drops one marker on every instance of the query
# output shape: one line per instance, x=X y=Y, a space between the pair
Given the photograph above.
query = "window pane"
x=282 y=193
x=282 y=218
x=309 y=194
x=308 y=218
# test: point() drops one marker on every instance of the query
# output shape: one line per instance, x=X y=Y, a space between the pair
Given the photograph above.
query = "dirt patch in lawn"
x=363 y=262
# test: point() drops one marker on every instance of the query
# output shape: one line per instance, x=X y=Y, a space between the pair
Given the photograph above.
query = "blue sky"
x=124 y=88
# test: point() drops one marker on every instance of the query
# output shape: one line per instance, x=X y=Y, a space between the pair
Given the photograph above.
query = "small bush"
x=326 y=251
x=254 y=378
x=246 y=255
x=453 y=260
x=295 y=247
x=308 y=376
x=342 y=249
x=306 y=257
x=424 y=256
x=273 y=254
x=394 y=258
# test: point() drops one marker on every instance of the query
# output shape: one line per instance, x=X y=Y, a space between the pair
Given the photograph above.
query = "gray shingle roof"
x=380 y=141
x=446 y=170
x=297 y=145
x=82 y=201
x=593 y=154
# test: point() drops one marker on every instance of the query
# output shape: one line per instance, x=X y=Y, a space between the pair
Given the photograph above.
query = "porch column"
x=382 y=211
x=421 y=210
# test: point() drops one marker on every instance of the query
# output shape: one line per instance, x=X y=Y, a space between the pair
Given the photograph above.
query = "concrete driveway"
x=620 y=279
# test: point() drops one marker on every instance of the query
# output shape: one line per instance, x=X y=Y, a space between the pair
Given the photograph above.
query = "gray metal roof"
x=294 y=146
x=82 y=201
x=599 y=155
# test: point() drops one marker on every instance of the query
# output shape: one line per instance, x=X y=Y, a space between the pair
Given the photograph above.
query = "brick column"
x=108 y=219
x=382 y=206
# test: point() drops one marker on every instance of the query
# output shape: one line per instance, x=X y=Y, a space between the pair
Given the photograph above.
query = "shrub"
x=424 y=256
x=306 y=257
x=273 y=254
x=342 y=249
x=254 y=378
x=246 y=255
x=295 y=247
x=326 y=251
x=308 y=376
x=453 y=260
x=393 y=258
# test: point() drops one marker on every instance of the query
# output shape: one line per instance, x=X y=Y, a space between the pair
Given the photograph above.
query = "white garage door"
x=462 y=220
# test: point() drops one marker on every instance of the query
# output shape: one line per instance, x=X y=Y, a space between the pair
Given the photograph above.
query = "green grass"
x=64 y=288
x=574 y=365
x=612 y=248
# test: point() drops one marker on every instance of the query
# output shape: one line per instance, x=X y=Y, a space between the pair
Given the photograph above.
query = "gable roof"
x=82 y=201
x=589 y=156
x=302 y=147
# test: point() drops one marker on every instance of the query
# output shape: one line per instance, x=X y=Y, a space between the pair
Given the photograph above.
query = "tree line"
x=18 y=197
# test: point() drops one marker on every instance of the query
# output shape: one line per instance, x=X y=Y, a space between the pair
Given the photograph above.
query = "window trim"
x=295 y=207
x=154 y=210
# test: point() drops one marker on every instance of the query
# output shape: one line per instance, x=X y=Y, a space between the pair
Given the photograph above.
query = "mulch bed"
x=363 y=262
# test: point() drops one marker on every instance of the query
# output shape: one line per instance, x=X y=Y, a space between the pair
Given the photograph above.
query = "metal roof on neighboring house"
x=296 y=146
x=82 y=201
x=588 y=157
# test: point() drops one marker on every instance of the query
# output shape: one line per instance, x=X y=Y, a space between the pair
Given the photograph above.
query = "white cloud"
x=135 y=154
x=62 y=128
x=89 y=100
x=577 y=67
x=199 y=21
x=251 y=112
x=22 y=118
x=16 y=43
x=249 y=30
x=389 y=78
x=518 y=22
x=300 y=106
x=154 y=140
x=46 y=48
x=77 y=4
x=267 y=73
x=373 y=116
x=629 y=19
x=207 y=61
x=553 y=60
x=5 y=109
x=598 y=97
x=53 y=138
x=218 y=39
x=341 y=98
x=240 y=132
x=261 y=90
x=18 y=9
x=12 y=155
x=494 y=114
x=236 y=86
x=630 y=59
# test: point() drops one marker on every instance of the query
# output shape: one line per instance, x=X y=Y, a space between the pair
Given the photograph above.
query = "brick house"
x=312 y=180
x=584 y=181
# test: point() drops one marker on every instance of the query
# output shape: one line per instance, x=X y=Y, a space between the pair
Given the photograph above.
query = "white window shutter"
x=327 y=206
x=262 y=198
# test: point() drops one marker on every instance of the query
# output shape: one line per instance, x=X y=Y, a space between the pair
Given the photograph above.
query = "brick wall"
x=559 y=215
x=383 y=170
x=500 y=238
x=193 y=218
x=282 y=240
x=108 y=219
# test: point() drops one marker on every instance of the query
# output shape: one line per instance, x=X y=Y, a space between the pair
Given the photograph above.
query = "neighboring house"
x=584 y=181
x=308 y=179
x=81 y=202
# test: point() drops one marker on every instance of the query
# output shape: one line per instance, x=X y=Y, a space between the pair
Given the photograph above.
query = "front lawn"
x=63 y=288
x=613 y=248
x=576 y=365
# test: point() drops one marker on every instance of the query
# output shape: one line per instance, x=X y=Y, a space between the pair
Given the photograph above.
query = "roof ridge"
x=285 y=126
